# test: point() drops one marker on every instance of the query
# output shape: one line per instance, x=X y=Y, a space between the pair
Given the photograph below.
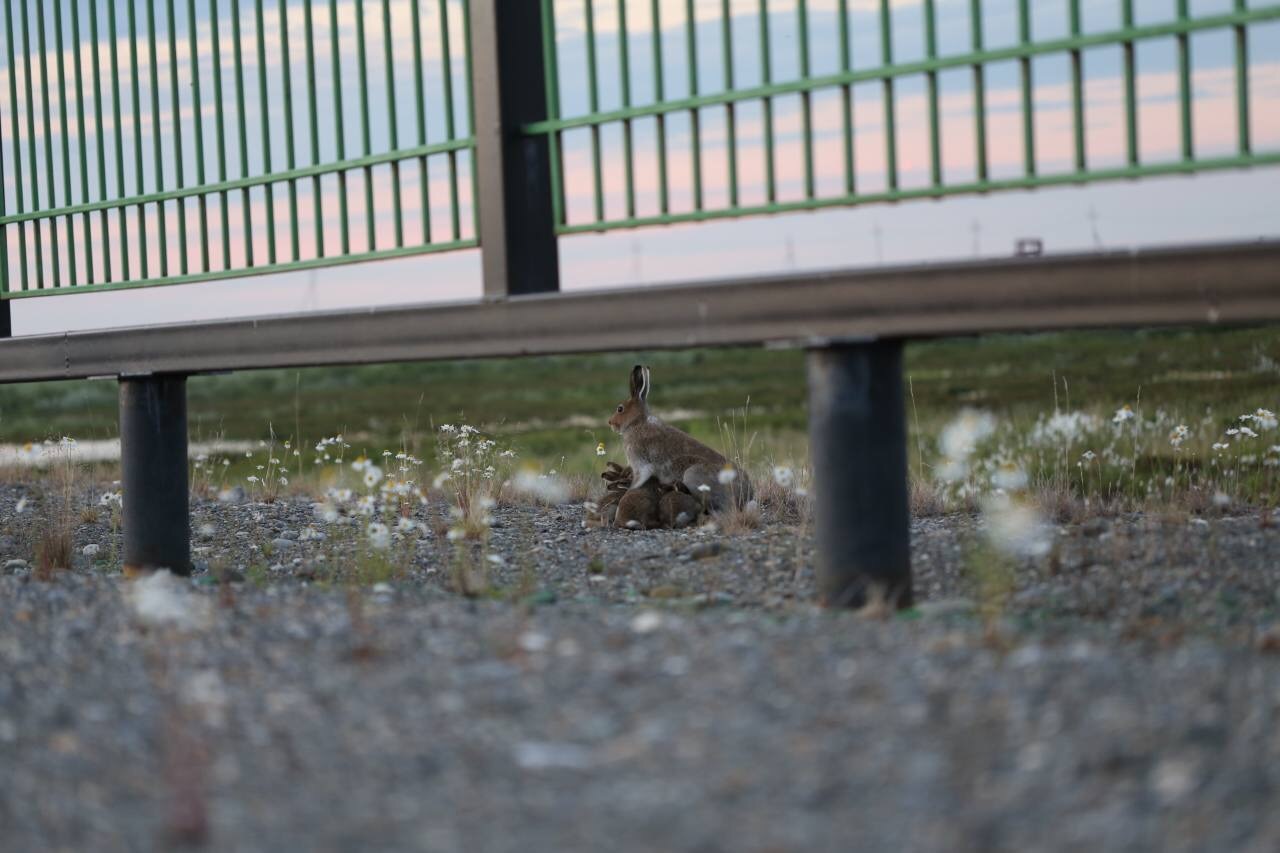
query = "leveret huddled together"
x=672 y=479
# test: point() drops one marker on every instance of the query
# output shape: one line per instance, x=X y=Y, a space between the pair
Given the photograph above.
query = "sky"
x=1160 y=211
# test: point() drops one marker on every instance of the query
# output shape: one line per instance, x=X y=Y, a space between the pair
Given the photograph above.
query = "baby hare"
x=658 y=451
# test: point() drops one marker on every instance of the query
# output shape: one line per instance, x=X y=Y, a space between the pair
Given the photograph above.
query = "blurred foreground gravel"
x=641 y=691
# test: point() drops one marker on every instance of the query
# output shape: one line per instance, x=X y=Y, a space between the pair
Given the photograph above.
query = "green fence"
x=208 y=139
x=158 y=142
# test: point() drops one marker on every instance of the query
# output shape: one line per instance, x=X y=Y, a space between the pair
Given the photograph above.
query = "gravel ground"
x=658 y=690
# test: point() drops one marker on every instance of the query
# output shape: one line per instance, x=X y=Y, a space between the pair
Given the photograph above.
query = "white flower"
x=379 y=535
x=1265 y=419
x=1016 y=529
x=1063 y=428
x=727 y=475
x=1088 y=456
x=284 y=481
x=456 y=533
x=547 y=488
x=109 y=499
x=1248 y=433
x=1009 y=477
x=326 y=512
x=89 y=550
x=600 y=451
x=457 y=465
x=448 y=428
x=783 y=476
x=508 y=454
x=372 y=476
x=962 y=435
x=1220 y=445
x=1180 y=434
x=406 y=525
x=496 y=559
x=359 y=464
x=1124 y=413
x=441 y=478
x=704 y=488
x=252 y=478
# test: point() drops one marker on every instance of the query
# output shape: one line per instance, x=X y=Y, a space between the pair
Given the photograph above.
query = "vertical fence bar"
x=766 y=77
x=513 y=170
x=931 y=83
x=86 y=219
x=340 y=136
x=593 y=103
x=6 y=319
x=16 y=137
x=197 y=112
x=628 y=136
x=291 y=155
x=806 y=102
x=1077 y=90
x=69 y=220
x=1130 y=87
x=219 y=125
x=857 y=429
x=450 y=120
x=1184 y=84
x=33 y=158
x=264 y=105
x=104 y=231
x=313 y=125
x=136 y=95
x=1028 y=107
x=155 y=130
x=659 y=95
x=178 y=156
x=470 y=101
x=846 y=98
x=979 y=92
x=362 y=67
x=1242 y=82
x=695 y=117
x=50 y=183
x=120 y=214
x=392 y=120
x=243 y=128
x=730 y=112
x=551 y=73
x=890 y=112
x=420 y=111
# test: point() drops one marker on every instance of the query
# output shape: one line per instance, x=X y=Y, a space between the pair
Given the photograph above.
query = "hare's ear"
x=644 y=384
x=637 y=382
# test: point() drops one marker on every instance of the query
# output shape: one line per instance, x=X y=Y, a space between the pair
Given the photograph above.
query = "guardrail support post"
x=858 y=441
x=153 y=462
x=513 y=171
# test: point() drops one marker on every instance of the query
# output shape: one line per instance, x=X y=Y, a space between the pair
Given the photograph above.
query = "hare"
x=658 y=451
x=638 y=508
x=677 y=508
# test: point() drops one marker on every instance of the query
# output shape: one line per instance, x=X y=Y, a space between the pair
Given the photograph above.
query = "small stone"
x=282 y=544
x=704 y=550
x=305 y=572
x=646 y=622
x=14 y=565
x=665 y=591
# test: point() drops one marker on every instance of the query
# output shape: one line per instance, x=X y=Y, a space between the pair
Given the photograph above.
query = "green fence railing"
x=212 y=139
x=162 y=141
x=812 y=64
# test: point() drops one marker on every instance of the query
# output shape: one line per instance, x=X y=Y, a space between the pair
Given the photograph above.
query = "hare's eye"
x=620 y=407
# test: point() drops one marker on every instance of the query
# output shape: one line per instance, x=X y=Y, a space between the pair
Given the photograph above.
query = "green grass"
x=548 y=408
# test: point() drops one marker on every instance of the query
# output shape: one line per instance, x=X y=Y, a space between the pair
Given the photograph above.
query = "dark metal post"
x=858 y=439
x=153 y=462
x=513 y=171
